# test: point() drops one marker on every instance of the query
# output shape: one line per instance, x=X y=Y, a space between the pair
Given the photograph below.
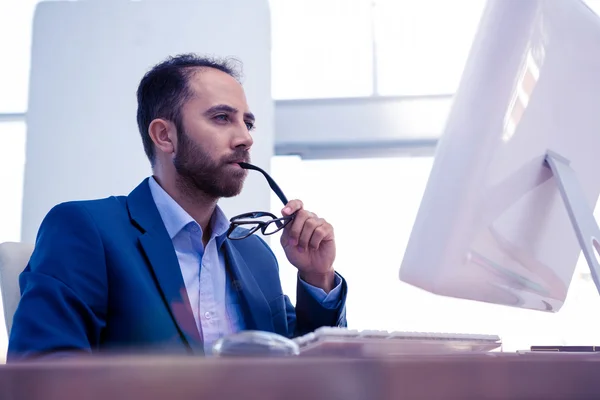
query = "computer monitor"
x=508 y=206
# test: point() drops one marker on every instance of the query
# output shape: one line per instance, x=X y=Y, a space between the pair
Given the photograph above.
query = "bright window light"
x=372 y=204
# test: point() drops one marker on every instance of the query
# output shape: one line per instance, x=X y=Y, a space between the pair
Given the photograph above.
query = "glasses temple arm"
x=270 y=181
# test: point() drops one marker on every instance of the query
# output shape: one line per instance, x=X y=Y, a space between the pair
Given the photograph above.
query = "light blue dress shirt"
x=215 y=305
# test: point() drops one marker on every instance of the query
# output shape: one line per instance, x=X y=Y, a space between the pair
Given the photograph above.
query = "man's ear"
x=164 y=135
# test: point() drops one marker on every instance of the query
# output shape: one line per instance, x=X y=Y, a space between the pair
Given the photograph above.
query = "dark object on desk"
x=255 y=343
x=571 y=349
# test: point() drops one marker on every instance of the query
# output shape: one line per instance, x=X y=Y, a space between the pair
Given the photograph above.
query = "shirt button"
x=194 y=228
x=207 y=315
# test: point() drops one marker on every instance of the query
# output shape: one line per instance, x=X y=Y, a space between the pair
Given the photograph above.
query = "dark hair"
x=164 y=89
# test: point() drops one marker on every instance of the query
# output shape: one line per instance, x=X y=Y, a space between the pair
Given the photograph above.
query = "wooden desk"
x=467 y=376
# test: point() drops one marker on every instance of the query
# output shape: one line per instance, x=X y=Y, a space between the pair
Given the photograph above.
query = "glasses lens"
x=276 y=225
x=245 y=225
x=242 y=231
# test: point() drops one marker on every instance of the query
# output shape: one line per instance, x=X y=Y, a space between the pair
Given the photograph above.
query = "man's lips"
x=236 y=163
x=238 y=160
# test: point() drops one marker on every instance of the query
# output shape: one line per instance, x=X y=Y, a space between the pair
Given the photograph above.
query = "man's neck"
x=195 y=202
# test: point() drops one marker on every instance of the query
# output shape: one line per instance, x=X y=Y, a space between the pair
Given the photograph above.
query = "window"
x=422 y=46
x=16 y=21
x=321 y=48
x=12 y=168
x=372 y=204
x=15 y=43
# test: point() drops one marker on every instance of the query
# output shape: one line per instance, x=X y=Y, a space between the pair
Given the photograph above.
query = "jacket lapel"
x=158 y=249
x=245 y=285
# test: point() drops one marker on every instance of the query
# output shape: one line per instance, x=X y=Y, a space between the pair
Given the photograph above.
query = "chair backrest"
x=13 y=260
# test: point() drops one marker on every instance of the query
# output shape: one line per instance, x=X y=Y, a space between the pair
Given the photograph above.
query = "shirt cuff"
x=328 y=300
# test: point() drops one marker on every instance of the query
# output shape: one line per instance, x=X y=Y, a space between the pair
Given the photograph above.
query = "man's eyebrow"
x=249 y=116
x=228 y=109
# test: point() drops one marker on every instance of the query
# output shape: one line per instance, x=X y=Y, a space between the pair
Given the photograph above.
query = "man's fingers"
x=311 y=224
x=291 y=207
x=325 y=230
x=306 y=229
x=294 y=228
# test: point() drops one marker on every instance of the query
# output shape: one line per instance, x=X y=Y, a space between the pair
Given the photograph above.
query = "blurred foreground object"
x=255 y=343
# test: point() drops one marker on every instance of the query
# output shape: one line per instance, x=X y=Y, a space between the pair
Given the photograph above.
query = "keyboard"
x=333 y=341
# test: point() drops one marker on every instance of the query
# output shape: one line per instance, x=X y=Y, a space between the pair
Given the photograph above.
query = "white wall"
x=87 y=60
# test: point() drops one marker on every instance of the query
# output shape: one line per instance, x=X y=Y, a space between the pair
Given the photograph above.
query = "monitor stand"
x=580 y=212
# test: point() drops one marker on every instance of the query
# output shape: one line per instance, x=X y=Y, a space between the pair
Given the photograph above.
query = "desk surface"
x=466 y=376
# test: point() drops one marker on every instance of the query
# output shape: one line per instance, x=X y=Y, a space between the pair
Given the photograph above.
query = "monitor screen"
x=492 y=225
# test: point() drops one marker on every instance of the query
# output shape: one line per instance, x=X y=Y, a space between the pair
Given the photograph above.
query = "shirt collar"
x=176 y=218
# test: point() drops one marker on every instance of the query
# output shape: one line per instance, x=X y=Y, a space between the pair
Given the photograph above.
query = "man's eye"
x=250 y=125
x=222 y=117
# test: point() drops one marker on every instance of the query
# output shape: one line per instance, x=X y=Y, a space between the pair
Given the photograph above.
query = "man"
x=155 y=271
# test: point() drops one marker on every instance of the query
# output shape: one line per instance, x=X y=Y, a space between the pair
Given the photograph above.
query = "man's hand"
x=309 y=245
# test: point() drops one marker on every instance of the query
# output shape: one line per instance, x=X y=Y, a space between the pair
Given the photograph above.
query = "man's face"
x=214 y=136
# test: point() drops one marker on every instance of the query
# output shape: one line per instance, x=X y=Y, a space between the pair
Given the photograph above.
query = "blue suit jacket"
x=104 y=277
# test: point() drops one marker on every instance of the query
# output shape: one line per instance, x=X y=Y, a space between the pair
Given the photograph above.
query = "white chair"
x=13 y=260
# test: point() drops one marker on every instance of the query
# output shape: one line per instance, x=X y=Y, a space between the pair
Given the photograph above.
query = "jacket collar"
x=158 y=248
x=244 y=276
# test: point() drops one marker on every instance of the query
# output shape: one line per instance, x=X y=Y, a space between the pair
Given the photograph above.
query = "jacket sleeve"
x=311 y=314
x=63 y=288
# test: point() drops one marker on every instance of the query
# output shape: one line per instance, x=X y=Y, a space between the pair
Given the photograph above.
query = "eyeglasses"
x=243 y=225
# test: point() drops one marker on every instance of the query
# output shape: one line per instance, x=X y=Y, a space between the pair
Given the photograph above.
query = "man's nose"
x=243 y=137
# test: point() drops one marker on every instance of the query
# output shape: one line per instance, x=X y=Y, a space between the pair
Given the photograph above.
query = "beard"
x=198 y=171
